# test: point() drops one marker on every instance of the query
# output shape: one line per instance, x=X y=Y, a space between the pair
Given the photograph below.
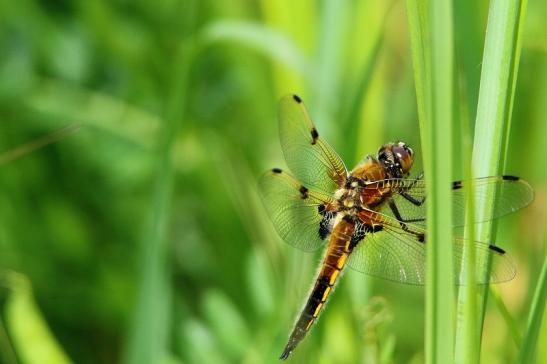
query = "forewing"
x=400 y=256
x=409 y=195
x=308 y=156
x=293 y=209
x=510 y=194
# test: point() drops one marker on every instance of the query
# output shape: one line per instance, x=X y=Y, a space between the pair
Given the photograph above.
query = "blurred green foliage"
x=141 y=234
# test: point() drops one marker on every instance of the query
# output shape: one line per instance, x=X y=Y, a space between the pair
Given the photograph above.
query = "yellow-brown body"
x=334 y=261
x=353 y=203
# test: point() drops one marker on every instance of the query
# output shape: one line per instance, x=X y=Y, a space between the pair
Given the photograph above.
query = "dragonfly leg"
x=403 y=222
x=413 y=200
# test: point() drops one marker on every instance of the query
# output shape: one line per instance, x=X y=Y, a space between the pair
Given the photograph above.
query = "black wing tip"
x=297 y=98
x=510 y=178
x=456 y=185
x=497 y=249
x=276 y=170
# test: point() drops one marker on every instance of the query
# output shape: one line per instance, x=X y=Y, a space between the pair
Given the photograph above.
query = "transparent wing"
x=308 y=156
x=384 y=254
x=511 y=194
x=400 y=256
x=295 y=210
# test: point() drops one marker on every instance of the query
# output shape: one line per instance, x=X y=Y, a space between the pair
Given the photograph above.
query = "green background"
x=141 y=233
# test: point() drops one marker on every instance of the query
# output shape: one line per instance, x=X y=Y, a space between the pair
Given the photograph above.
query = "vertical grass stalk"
x=468 y=323
x=496 y=94
x=432 y=50
x=528 y=349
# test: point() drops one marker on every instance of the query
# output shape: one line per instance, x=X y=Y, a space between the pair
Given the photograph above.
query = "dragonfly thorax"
x=349 y=198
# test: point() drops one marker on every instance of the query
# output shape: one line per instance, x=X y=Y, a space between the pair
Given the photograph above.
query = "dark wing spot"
x=510 y=178
x=304 y=192
x=323 y=230
x=456 y=185
x=314 y=135
x=325 y=226
x=376 y=228
x=359 y=234
x=297 y=98
x=276 y=170
x=321 y=210
x=497 y=249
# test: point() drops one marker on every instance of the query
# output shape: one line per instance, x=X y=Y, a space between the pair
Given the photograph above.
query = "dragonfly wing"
x=399 y=255
x=311 y=159
x=409 y=196
x=298 y=214
x=502 y=267
x=384 y=254
x=509 y=194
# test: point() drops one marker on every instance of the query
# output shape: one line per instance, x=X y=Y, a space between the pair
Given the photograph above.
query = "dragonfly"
x=371 y=218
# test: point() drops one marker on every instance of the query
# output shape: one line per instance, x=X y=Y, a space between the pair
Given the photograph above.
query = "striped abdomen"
x=335 y=258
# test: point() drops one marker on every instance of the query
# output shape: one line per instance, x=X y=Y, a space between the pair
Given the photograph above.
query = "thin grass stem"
x=431 y=39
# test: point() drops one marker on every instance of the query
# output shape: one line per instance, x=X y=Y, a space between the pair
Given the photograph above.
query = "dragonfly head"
x=396 y=158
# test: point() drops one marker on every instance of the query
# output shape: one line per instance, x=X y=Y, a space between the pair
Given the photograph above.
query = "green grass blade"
x=431 y=37
x=332 y=25
x=149 y=332
x=263 y=39
x=29 y=332
x=498 y=77
x=529 y=344
x=466 y=320
x=356 y=98
x=509 y=320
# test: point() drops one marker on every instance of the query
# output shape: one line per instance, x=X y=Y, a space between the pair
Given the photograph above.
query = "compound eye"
x=401 y=152
x=405 y=147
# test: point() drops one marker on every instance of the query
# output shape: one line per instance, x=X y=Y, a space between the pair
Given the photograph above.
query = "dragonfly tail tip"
x=285 y=353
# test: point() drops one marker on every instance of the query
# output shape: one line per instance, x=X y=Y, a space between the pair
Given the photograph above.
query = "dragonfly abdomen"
x=333 y=263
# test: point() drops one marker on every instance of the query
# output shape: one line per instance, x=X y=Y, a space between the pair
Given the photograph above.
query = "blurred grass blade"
x=38 y=143
x=496 y=94
x=535 y=318
x=421 y=59
x=432 y=50
x=201 y=346
x=32 y=339
x=333 y=22
x=509 y=321
x=357 y=98
x=61 y=101
x=267 y=41
x=227 y=324
x=149 y=331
